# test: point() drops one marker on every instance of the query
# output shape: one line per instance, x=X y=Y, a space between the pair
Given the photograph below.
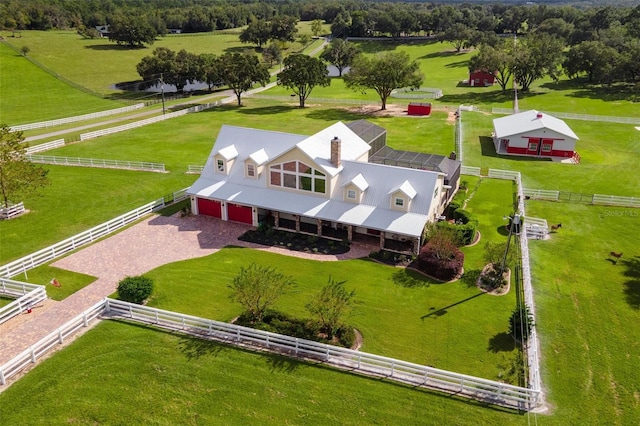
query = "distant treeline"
x=355 y=18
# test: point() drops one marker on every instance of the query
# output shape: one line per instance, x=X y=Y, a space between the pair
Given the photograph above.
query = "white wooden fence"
x=421 y=93
x=504 y=174
x=49 y=342
x=27 y=295
x=457 y=136
x=612 y=200
x=52 y=123
x=45 y=146
x=194 y=170
x=103 y=132
x=12 y=211
x=47 y=254
x=418 y=375
x=584 y=117
x=468 y=170
x=536 y=228
x=541 y=194
x=96 y=162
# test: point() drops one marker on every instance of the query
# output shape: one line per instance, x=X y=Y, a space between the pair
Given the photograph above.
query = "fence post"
x=60 y=335
x=2 y=379
x=33 y=355
x=84 y=317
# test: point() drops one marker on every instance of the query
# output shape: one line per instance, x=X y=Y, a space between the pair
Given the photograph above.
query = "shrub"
x=521 y=323
x=440 y=259
x=135 y=289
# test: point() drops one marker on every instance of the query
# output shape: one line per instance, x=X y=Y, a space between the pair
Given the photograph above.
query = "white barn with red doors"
x=320 y=185
x=536 y=134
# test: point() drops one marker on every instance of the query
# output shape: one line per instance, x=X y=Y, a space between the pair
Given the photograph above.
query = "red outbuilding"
x=481 y=79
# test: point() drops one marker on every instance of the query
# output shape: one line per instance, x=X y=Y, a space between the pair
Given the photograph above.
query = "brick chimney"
x=335 y=151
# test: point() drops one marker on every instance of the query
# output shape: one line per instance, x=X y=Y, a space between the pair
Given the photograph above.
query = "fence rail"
x=541 y=194
x=457 y=135
x=612 y=200
x=584 y=117
x=504 y=174
x=194 y=170
x=394 y=369
x=96 y=162
x=27 y=295
x=12 y=211
x=52 y=123
x=320 y=100
x=129 y=126
x=56 y=250
x=421 y=93
x=468 y=170
x=49 y=342
x=45 y=146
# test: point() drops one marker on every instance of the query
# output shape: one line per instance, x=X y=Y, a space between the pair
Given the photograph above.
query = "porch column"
x=350 y=232
x=381 y=240
x=319 y=227
x=276 y=219
x=297 y=223
x=416 y=246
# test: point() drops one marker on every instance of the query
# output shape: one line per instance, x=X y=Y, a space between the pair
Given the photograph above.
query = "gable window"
x=220 y=165
x=297 y=175
x=251 y=170
x=351 y=194
x=399 y=202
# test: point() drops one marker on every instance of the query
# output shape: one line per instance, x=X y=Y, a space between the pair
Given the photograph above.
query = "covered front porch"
x=337 y=231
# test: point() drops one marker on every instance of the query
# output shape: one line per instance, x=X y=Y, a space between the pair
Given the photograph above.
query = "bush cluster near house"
x=440 y=257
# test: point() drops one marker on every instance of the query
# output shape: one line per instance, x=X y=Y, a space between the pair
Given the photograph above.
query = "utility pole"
x=162 y=88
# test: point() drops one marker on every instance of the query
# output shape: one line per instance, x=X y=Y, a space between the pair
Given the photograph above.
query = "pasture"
x=585 y=303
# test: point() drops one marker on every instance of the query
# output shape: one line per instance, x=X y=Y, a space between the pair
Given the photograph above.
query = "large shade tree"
x=167 y=66
x=131 y=30
x=537 y=57
x=497 y=60
x=384 y=74
x=302 y=73
x=240 y=71
x=257 y=32
x=340 y=53
x=18 y=176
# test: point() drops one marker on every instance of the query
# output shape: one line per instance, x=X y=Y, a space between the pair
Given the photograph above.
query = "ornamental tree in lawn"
x=302 y=73
x=18 y=176
x=240 y=71
x=332 y=303
x=257 y=288
x=384 y=74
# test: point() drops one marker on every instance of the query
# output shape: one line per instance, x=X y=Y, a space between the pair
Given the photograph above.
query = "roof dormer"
x=402 y=195
x=223 y=160
x=254 y=164
x=354 y=189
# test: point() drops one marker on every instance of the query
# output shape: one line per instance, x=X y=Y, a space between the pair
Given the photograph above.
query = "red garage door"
x=209 y=207
x=240 y=213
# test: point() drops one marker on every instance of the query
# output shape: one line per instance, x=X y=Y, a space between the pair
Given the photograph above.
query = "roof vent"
x=539 y=115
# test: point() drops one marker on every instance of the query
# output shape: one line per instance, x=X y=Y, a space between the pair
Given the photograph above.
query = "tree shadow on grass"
x=501 y=342
x=410 y=279
x=115 y=47
x=194 y=347
x=487 y=146
x=268 y=110
x=583 y=89
x=335 y=114
x=470 y=278
x=458 y=64
x=443 y=54
x=632 y=286
x=440 y=312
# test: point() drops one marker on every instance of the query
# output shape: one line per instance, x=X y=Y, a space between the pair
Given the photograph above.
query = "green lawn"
x=119 y=372
x=78 y=199
x=603 y=147
x=587 y=312
x=70 y=282
x=30 y=94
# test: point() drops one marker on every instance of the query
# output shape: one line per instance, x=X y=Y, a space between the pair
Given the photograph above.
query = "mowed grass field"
x=121 y=373
x=586 y=305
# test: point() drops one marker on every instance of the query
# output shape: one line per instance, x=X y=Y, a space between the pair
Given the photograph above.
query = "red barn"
x=481 y=78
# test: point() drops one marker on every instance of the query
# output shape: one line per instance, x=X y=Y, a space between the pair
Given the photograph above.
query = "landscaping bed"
x=296 y=242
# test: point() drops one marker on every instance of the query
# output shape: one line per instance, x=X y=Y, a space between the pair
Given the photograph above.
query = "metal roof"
x=528 y=121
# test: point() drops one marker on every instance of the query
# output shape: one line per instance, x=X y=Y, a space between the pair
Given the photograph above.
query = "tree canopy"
x=383 y=74
x=302 y=73
x=240 y=71
x=330 y=305
x=340 y=53
x=134 y=31
x=257 y=288
x=18 y=176
x=167 y=66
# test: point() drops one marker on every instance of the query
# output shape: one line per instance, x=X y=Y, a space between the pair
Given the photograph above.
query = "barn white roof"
x=528 y=121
